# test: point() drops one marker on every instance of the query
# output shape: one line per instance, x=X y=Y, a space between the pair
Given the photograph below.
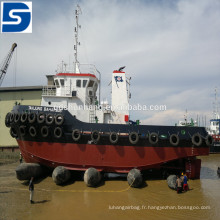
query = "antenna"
x=215 y=105
x=65 y=64
x=77 y=43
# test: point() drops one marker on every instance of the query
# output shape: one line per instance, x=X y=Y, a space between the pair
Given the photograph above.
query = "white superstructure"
x=120 y=97
x=76 y=90
x=214 y=128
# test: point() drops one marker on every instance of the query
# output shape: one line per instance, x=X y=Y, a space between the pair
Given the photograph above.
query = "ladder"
x=92 y=116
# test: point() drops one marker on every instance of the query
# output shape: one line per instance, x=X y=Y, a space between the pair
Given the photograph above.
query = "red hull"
x=109 y=158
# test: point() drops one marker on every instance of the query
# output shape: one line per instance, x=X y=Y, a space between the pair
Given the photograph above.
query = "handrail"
x=52 y=91
x=84 y=68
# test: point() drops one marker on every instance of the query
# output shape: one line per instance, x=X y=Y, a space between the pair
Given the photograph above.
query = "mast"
x=77 y=43
x=185 y=117
x=215 y=110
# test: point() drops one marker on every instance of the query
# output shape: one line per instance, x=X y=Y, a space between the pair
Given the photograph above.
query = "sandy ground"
x=111 y=200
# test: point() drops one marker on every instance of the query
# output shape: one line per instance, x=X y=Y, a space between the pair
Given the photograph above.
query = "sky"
x=171 y=50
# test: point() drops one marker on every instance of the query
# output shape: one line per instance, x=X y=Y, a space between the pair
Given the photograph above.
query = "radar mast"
x=77 y=43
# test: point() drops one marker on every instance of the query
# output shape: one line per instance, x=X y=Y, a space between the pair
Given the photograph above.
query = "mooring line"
x=74 y=191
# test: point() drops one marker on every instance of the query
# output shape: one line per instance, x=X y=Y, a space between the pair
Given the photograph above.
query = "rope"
x=73 y=191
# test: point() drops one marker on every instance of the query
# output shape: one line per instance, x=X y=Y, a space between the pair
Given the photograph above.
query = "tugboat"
x=215 y=133
x=74 y=130
x=214 y=129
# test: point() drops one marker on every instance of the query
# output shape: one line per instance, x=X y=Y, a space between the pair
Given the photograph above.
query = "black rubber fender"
x=95 y=136
x=76 y=135
x=41 y=118
x=153 y=138
x=59 y=119
x=113 y=138
x=24 y=117
x=12 y=116
x=209 y=140
x=7 y=119
x=49 y=119
x=33 y=131
x=13 y=132
x=174 y=139
x=133 y=137
x=17 y=117
x=22 y=130
x=58 y=132
x=44 y=131
x=197 y=139
x=32 y=117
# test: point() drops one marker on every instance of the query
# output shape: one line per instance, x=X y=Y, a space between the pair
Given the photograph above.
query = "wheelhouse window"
x=57 y=83
x=84 y=83
x=62 y=82
x=91 y=83
x=78 y=83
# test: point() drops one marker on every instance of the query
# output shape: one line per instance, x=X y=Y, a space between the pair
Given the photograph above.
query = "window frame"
x=78 y=80
x=62 y=84
x=85 y=81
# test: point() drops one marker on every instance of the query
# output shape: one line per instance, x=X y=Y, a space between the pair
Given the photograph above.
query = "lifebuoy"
x=133 y=137
x=209 y=140
x=12 y=115
x=174 y=139
x=41 y=118
x=58 y=132
x=153 y=138
x=13 y=132
x=32 y=131
x=7 y=119
x=17 y=118
x=44 y=131
x=24 y=117
x=113 y=137
x=49 y=119
x=59 y=119
x=95 y=135
x=76 y=135
x=22 y=130
x=32 y=117
x=197 y=139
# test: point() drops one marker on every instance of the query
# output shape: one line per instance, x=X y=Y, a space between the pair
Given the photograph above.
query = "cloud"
x=173 y=116
x=171 y=49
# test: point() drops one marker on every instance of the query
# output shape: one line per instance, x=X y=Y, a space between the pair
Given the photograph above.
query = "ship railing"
x=83 y=68
x=49 y=91
x=65 y=91
x=57 y=91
